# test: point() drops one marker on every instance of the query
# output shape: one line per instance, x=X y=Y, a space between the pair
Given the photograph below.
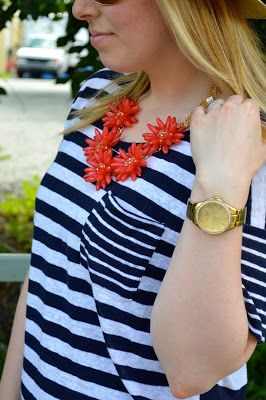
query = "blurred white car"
x=39 y=55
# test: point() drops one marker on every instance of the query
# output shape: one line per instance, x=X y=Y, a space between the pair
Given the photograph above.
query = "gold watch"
x=214 y=216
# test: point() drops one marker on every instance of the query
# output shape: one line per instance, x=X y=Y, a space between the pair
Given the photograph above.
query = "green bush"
x=257 y=374
x=16 y=217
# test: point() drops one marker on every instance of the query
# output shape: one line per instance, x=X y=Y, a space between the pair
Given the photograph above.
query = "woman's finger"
x=254 y=103
x=236 y=99
x=199 y=111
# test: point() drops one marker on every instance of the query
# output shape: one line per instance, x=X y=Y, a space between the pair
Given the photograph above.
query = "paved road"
x=31 y=119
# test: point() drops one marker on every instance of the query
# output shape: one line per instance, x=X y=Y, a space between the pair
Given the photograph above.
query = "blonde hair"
x=216 y=39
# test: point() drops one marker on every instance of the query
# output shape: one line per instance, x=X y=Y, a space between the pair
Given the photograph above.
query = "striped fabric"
x=98 y=259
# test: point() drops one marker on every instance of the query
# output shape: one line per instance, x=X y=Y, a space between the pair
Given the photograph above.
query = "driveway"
x=32 y=116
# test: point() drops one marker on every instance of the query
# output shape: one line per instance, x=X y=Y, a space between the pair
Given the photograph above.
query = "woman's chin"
x=123 y=67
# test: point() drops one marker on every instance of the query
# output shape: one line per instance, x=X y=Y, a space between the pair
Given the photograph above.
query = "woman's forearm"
x=199 y=324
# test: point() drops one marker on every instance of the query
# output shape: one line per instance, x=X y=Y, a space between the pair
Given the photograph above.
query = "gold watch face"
x=213 y=217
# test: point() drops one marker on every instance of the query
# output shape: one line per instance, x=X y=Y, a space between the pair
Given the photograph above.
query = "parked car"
x=80 y=41
x=40 y=54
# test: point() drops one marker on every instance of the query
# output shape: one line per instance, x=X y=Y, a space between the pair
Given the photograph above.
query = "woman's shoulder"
x=97 y=81
x=85 y=97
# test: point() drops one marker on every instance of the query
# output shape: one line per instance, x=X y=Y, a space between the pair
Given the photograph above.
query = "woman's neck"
x=179 y=86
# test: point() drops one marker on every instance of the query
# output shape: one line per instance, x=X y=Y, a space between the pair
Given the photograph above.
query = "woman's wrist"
x=233 y=193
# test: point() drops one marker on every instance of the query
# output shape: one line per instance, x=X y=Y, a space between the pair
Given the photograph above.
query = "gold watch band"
x=238 y=216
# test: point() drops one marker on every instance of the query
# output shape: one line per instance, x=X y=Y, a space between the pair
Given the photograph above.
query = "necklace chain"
x=214 y=92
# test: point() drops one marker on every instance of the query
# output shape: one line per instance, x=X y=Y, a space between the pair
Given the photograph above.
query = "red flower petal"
x=133 y=175
x=123 y=154
x=165 y=148
x=160 y=123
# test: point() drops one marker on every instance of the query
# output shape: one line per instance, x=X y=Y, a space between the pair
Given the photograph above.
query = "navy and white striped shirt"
x=98 y=260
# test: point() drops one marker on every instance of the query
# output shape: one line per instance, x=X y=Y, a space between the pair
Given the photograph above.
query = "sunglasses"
x=107 y=2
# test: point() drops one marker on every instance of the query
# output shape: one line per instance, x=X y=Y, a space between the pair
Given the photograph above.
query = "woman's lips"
x=98 y=38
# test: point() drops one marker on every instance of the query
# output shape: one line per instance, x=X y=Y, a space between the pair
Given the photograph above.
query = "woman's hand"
x=227 y=150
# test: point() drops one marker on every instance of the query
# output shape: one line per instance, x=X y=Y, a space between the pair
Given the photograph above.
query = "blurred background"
x=45 y=56
x=43 y=39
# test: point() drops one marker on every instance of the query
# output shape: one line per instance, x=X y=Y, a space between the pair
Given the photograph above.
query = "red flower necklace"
x=99 y=153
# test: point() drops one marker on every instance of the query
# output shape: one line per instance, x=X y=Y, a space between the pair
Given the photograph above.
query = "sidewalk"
x=32 y=116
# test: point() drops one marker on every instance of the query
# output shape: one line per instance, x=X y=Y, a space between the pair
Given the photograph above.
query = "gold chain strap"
x=213 y=92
